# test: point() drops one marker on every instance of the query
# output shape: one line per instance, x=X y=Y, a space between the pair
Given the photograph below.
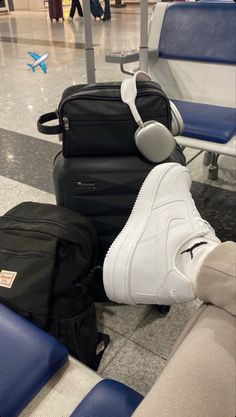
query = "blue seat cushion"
x=28 y=358
x=108 y=398
x=207 y=122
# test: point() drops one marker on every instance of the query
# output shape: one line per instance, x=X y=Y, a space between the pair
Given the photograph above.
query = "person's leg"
x=79 y=8
x=175 y=255
x=199 y=378
x=216 y=281
x=107 y=11
x=72 y=9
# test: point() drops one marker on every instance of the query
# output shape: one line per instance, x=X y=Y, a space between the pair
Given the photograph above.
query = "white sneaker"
x=69 y=19
x=143 y=265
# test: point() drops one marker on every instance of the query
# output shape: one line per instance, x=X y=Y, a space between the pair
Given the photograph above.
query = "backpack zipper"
x=24 y=253
x=42 y=221
x=67 y=121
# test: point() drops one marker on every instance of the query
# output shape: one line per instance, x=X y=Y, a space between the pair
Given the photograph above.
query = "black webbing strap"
x=49 y=130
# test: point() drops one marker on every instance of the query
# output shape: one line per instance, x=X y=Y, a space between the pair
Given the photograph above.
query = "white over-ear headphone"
x=152 y=138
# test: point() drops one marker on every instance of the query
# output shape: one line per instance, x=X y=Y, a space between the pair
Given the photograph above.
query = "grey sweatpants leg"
x=216 y=283
x=200 y=377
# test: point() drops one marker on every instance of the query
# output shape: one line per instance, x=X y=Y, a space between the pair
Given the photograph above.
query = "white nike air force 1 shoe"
x=156 y=257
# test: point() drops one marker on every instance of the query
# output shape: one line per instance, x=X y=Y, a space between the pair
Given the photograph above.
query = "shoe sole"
x=118 y=261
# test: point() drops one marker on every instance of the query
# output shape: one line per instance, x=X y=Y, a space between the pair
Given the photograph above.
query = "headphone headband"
x=129 y=94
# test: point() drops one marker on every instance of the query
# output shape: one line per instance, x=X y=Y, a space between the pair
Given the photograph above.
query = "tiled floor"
x=141 y=338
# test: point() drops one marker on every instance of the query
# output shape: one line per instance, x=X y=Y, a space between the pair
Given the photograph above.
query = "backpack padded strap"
x=104 y=340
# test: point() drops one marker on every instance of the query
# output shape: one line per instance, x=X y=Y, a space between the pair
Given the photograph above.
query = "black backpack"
x=47 y=254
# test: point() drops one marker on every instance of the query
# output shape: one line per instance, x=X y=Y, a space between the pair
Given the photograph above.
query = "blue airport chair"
x=29 y=357
x=108 y=398
x=192 y=54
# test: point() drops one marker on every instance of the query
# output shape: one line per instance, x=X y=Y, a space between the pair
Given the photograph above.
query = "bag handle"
x=49 y=130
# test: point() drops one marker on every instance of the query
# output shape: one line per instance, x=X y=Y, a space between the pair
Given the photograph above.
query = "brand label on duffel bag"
x=7 y=278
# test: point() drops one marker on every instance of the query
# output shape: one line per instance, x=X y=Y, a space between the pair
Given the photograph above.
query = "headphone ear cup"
x=154 y=141
x=177 y=125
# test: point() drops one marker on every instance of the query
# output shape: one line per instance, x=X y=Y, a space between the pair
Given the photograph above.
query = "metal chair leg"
x=207 y=158
x=213 y=167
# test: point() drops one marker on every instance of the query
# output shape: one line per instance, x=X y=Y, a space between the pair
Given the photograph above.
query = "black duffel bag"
x=47 y=254
x=93 y=120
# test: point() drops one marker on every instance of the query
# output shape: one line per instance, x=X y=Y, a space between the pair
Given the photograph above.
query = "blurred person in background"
x=75 y=5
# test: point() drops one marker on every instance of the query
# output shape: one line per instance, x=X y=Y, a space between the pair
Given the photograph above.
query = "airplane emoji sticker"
x=39 y=61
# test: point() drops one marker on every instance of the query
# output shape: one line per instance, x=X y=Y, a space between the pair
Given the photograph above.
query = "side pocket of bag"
x=27 y=271
x=78 y=334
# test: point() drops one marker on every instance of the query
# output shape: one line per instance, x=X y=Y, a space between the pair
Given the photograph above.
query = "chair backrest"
x=192 y=51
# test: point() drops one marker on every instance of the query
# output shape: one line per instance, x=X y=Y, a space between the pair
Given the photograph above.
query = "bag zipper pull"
x=66 y=123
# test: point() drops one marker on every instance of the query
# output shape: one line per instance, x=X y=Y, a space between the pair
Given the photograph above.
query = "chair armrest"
x=108 y=398
x=122 y=57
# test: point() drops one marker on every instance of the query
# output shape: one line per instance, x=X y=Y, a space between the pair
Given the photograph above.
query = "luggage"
x=100 y=170
x=46 y=257
x=93 y=120
x=96 y=8
x=55 y=9
x=103 y=188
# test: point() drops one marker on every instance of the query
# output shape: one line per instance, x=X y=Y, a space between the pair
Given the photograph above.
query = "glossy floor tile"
x=27 y=159
x=13 y=193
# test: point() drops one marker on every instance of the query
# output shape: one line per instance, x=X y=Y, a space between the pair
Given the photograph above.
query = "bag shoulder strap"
x=103 y=340
x=49 y=130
